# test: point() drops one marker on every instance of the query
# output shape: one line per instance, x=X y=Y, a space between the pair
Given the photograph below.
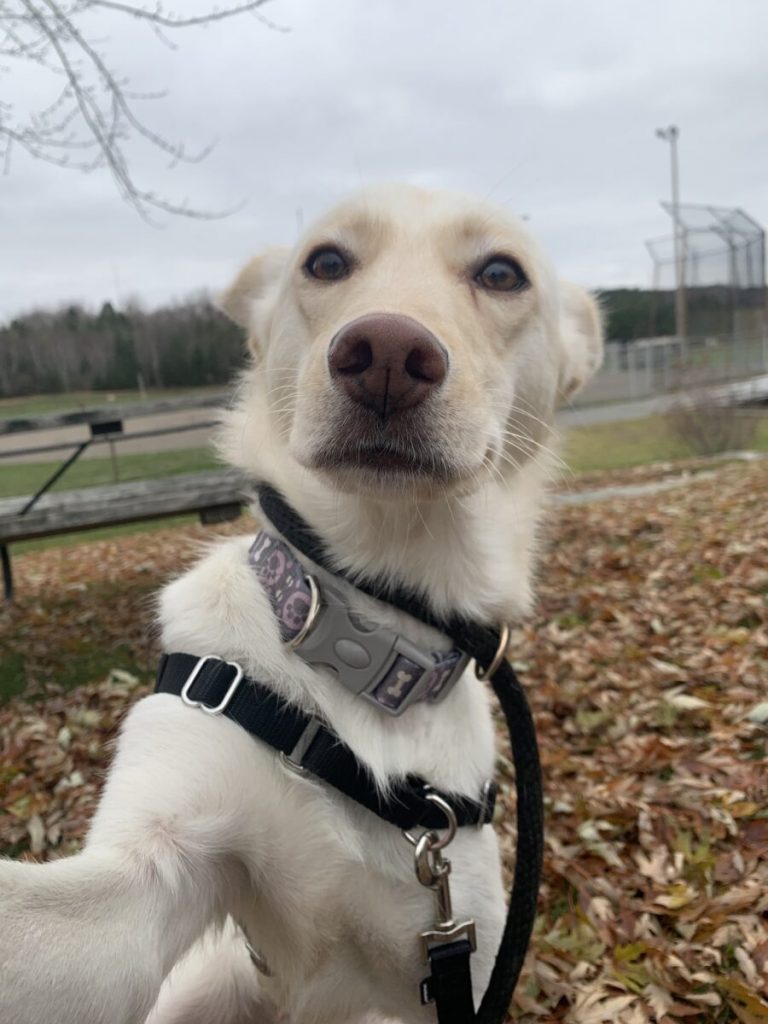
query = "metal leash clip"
x=432 y=871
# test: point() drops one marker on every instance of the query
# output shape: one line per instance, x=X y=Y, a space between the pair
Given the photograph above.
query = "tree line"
x=72 y=349
x=713 y=310
x=192 y=344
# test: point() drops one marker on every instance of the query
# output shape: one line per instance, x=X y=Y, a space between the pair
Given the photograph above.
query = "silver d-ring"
x=450 y=815
x=501 y=650
x=314 y=608
x=436 y=841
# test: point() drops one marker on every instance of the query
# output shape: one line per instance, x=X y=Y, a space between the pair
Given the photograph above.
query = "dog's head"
x=411 y=338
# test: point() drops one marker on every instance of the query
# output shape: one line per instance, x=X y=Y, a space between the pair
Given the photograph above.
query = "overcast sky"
x=548 y=107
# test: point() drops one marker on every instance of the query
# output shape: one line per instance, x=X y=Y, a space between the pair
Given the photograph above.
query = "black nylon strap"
x=449 y=986
x=481 y=642
x=273 y=720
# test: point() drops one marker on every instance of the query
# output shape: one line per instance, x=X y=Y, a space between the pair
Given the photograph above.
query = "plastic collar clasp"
x=373 y=661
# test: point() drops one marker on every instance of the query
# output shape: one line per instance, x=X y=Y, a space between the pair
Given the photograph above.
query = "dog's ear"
x=581 y=338
x=246 y=298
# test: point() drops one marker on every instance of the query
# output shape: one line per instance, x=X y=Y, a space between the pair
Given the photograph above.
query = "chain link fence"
x=723 y=268
x=722 y=259
x=652 y=366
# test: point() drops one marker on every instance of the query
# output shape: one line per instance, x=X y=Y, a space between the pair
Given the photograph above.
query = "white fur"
x=199 y=824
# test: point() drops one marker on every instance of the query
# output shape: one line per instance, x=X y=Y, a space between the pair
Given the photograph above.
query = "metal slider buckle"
x=222 y=705
x=442 y=936
x=361 y=654
x=292 y=761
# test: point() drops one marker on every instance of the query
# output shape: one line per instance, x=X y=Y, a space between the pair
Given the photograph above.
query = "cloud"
x=549 y=109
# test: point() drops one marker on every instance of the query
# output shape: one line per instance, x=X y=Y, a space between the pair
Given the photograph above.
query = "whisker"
x=449 y=506
x=488 y=461
x=524 y=448
x=423 y=520
x=519 y=409
x=554 y=475
x=510 y=460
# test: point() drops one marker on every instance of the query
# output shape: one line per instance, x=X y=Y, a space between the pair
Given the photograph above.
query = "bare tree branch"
x=177 y=21
x=93 y=111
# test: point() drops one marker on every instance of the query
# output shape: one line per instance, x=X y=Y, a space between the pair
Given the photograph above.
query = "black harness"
x=307 y=746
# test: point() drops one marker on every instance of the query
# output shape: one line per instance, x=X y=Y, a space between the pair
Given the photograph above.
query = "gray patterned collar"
x=372 y=661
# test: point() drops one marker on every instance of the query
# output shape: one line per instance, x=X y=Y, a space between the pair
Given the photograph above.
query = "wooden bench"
x=217 y=495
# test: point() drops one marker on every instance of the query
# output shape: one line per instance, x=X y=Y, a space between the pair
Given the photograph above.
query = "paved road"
x=755 y=389
x=586 y=415
x=198 y=437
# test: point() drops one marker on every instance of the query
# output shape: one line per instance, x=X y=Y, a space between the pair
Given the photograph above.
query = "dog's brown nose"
x=387 y=362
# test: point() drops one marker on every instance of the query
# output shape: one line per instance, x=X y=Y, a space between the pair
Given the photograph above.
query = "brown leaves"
x=647 y=670
x=53 y=760
x=644 y=668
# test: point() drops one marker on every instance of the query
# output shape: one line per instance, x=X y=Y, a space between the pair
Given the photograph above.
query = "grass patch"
x=26 y=477
x=82 y=663
x=37 y=405
x=627 y=443
x=71 y=637
x=89 y=662
x=12 y=676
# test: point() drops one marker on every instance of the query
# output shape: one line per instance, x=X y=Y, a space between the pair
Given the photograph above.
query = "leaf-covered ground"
x=647 y=668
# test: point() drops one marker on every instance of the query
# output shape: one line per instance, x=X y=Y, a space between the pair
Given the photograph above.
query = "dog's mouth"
x=425 y=449
x=385 y=458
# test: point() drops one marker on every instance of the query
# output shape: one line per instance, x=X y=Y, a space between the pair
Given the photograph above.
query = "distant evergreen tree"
x=72 y=319
x=632 y=313
x=124 y=368
x=175 y=371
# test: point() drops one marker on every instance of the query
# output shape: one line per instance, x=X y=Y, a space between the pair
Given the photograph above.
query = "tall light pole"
x=670 y=135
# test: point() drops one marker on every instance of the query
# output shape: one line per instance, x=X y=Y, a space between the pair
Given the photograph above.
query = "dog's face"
x=412 y=339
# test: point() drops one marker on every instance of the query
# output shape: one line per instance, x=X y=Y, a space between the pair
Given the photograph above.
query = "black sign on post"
x=106 y=427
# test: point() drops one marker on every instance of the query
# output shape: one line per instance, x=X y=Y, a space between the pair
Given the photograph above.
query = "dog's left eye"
x=327 y=264
x=500 y=274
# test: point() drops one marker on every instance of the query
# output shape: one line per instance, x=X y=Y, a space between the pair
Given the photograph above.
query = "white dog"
x=407 y=359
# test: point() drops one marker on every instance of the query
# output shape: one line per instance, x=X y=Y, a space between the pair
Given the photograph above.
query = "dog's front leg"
x=89 y=939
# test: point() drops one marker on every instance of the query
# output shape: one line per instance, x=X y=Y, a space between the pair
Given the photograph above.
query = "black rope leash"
x=482 y=643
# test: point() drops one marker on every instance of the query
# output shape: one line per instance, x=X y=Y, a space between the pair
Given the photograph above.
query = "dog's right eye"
x=327 y=264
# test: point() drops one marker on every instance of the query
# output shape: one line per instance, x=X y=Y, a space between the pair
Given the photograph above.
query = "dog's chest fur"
x=317 y=867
